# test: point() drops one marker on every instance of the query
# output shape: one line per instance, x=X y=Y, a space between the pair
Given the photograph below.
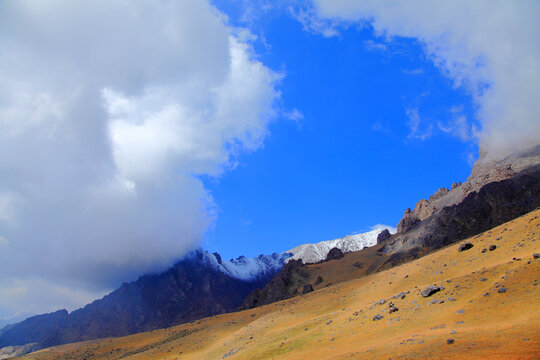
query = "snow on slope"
x=245 y=268
x=250 y=269
x=312 y=253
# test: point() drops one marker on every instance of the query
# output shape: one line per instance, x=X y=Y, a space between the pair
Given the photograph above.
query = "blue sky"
x=353 y=160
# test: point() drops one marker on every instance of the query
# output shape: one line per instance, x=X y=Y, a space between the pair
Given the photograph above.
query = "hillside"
x=487 y=309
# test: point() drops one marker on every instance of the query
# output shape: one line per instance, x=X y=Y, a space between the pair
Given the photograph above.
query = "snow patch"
x=312 y=253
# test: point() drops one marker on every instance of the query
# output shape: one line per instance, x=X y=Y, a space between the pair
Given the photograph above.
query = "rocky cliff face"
x=495 y=203
x=284 y=285
x=484 y=172
x=192 y=289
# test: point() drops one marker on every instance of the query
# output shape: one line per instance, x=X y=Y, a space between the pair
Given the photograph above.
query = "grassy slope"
x=335 y=322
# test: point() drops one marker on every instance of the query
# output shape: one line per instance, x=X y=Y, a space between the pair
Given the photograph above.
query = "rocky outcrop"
x=495 y=203
x=334 y=254
x=289 y=282
x=484 y=171
x=384 y=235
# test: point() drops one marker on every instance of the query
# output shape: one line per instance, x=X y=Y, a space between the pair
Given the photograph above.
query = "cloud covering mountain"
x=108 y=113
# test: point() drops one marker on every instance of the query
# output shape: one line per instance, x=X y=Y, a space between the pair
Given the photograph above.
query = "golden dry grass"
x=336 y=322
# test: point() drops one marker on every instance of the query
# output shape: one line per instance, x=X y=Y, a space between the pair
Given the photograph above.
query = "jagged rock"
x=430 y=290
x=392 y=308
x=384 y=235
x=493 y=195
x=283 y=286
x=307 y=289
x=334 y=254
x=382 y=301
x=408 y=221
x=377 y=317
x=465 y=246
x=492 y=247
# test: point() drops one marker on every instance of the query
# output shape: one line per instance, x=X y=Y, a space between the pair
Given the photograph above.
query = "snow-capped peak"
x=245 y=268
x=312 y=253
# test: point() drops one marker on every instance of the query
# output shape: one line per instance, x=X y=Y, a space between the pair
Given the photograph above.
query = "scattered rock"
x=486 y=294
x=536 y=255
x=516 y=259
x=450 y=341
x=393 y=308
x=452 y=332
x=484 y=250
x=377 y=317
x=430 y=290
x=465 y=246
x=318 y=280
x=328 y=322
x=382 y=301
x=460 y=311
x=483 y=279
x=492 y=247
x=502 y=290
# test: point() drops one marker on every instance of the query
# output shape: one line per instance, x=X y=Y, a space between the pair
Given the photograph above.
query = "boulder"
x=465 y=246
x=334 y=254
x=430 y=290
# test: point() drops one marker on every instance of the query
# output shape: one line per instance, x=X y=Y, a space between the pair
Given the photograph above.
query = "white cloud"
x=108 y=112
x=490 y=47
x=419 y=129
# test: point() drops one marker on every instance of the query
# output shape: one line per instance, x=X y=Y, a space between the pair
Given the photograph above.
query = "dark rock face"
x=493 y=205
x=465 y=246
x=283 y=286
x=307 y=289
x=384 y=235
x=334 y=254
x=188 y=291
x=430 y=290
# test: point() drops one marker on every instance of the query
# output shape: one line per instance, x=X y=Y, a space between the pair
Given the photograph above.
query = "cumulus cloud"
x=108 y=113
x=489 y=47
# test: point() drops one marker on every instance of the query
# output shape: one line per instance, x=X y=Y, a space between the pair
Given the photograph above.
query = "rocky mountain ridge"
x=198 y=286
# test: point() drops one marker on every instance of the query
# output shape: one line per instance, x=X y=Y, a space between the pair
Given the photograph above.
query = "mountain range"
x=202 y=284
